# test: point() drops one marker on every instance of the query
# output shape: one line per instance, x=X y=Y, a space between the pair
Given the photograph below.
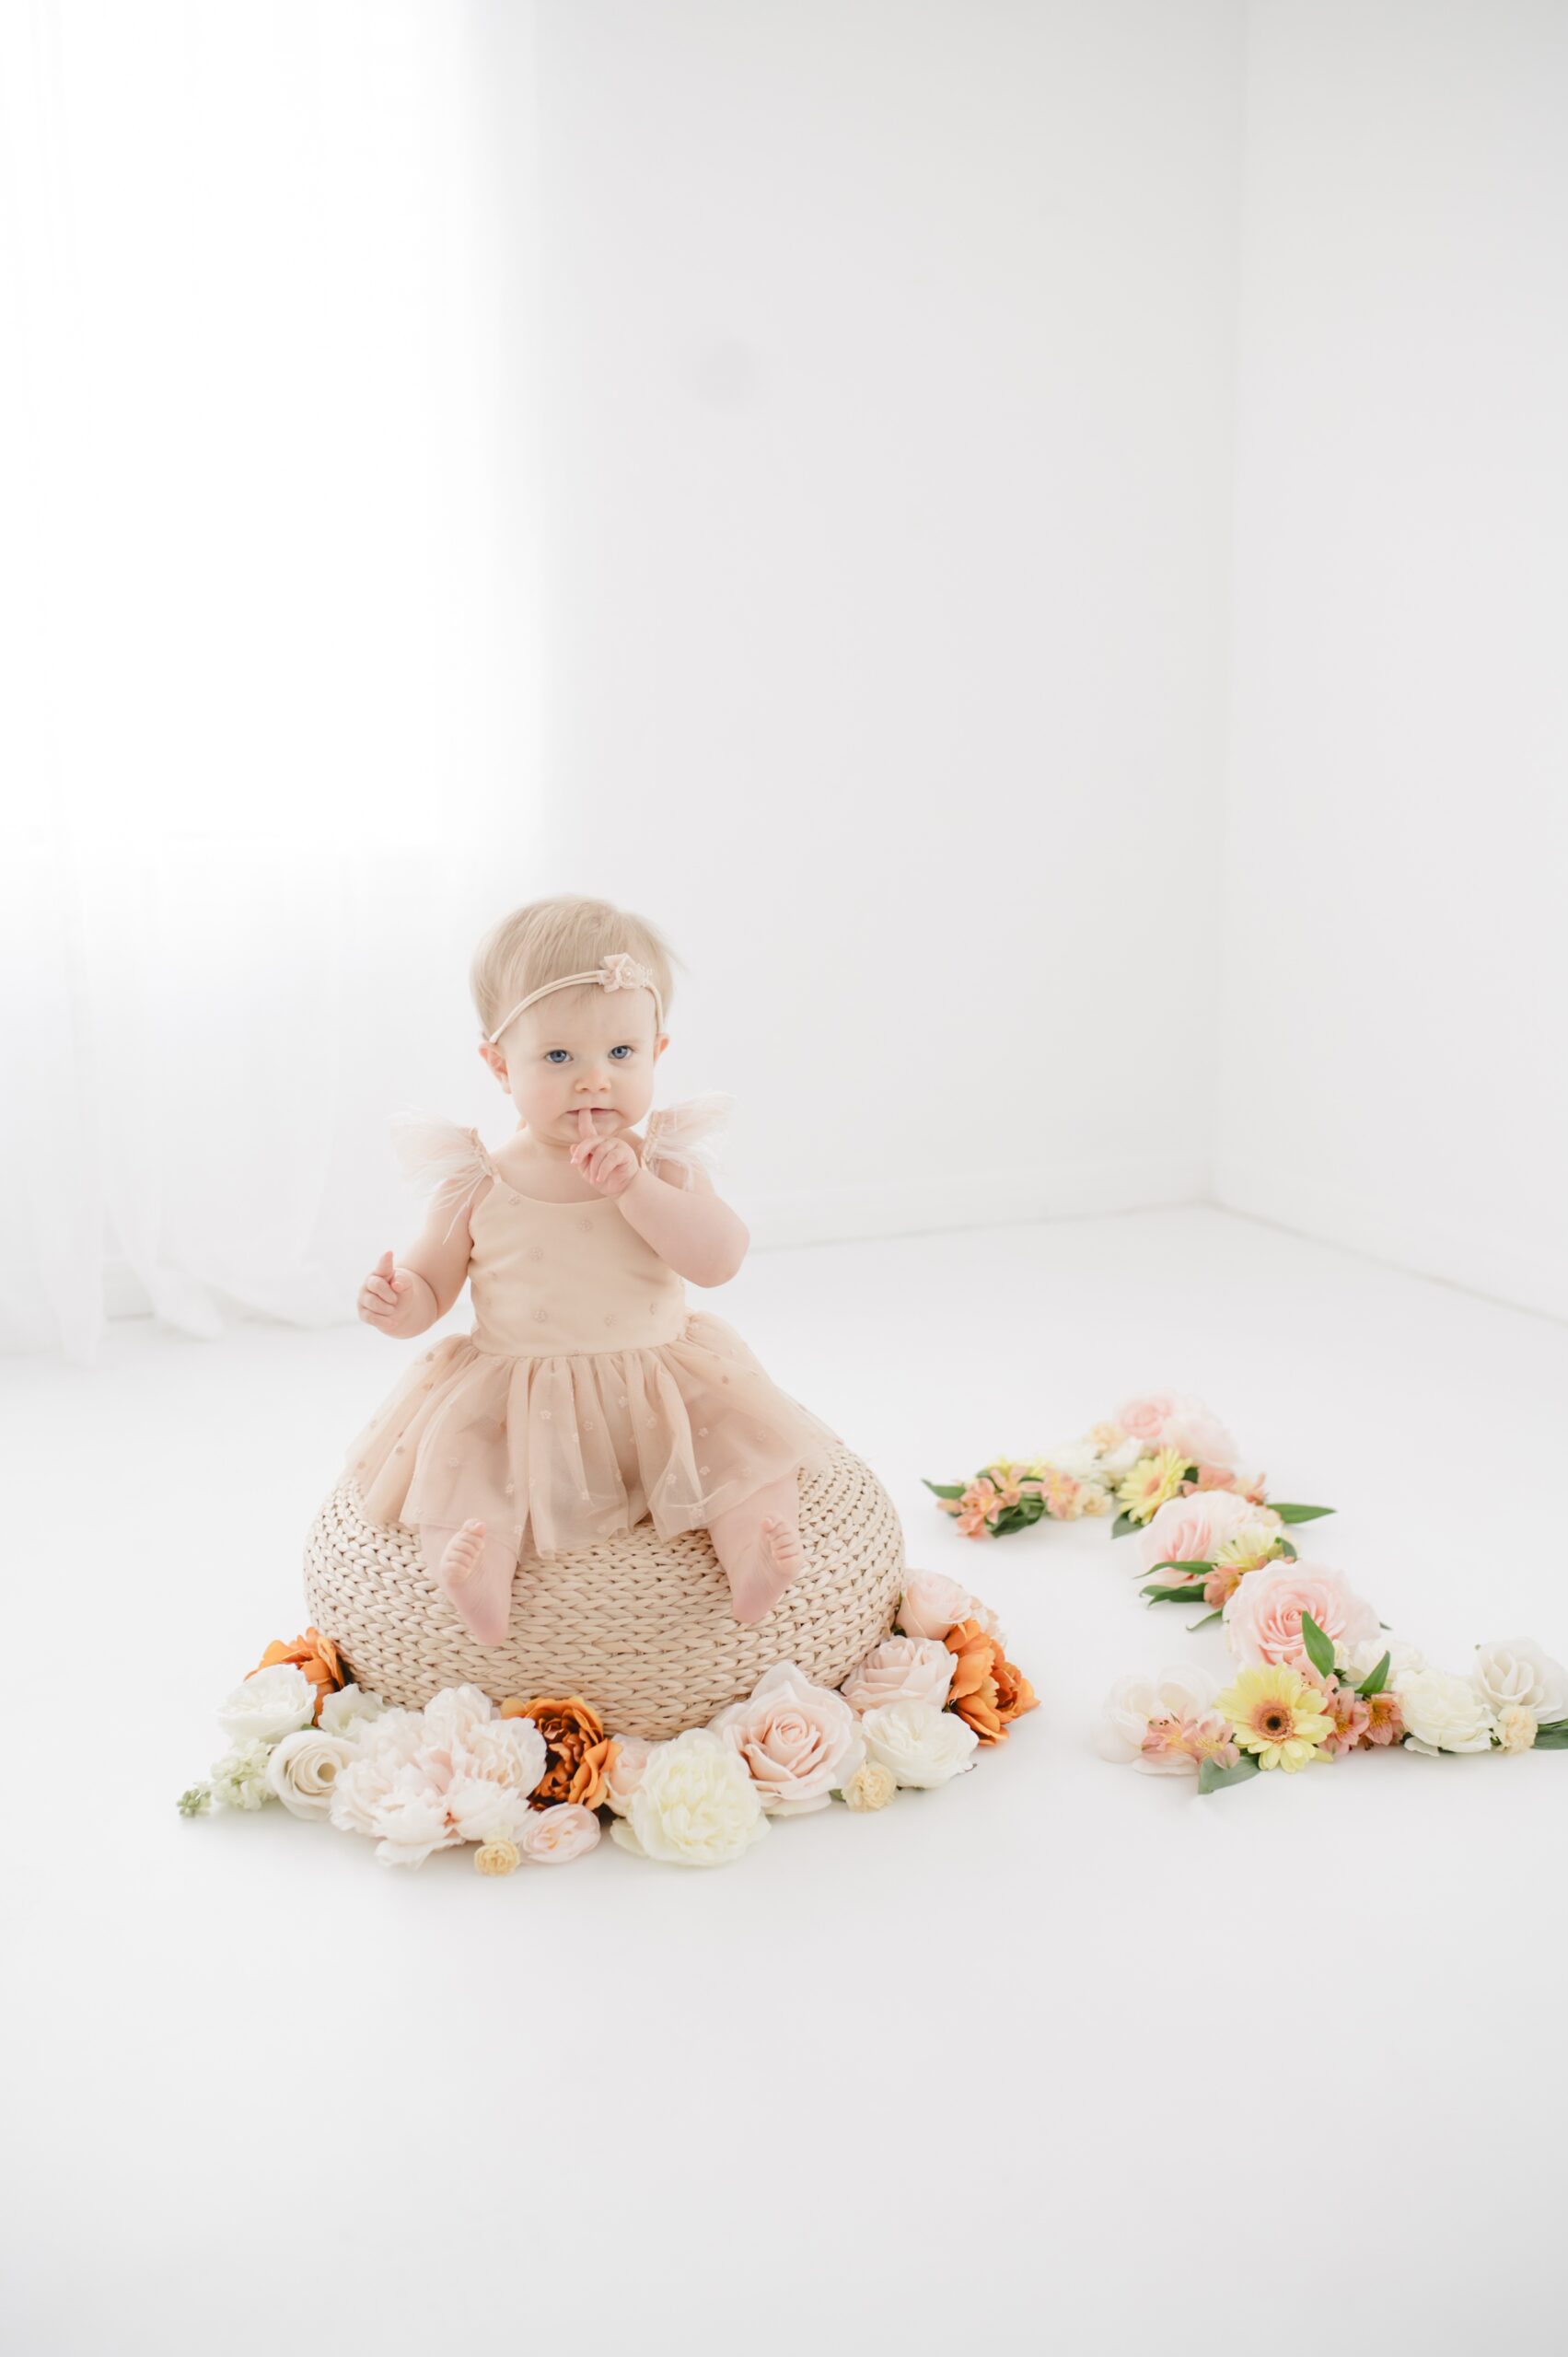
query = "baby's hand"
x=611 y=1163
x=390 y=1300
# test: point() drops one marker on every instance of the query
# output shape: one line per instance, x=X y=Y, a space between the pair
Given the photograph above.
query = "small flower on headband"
x=622 y=972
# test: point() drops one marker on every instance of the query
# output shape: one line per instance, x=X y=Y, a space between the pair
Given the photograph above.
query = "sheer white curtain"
x=265 y=621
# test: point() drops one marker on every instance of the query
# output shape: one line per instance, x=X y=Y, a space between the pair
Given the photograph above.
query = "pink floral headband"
x=619 y=972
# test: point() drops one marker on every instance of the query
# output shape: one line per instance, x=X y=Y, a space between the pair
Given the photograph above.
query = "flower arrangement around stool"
x=1313 y=1679
x=524 y=1782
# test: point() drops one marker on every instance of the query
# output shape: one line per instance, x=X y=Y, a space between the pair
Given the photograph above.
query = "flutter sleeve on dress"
x=444 y=1161
x=682 y=1136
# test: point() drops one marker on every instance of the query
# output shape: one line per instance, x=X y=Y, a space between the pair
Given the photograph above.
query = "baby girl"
x=587 y=1396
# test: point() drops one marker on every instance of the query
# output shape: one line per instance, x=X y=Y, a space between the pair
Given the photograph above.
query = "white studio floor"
x=1058 y=2057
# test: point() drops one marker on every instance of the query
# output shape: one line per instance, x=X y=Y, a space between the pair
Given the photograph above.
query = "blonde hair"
x=546 y=940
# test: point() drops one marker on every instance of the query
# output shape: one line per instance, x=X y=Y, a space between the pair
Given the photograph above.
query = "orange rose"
x=578 y=1752
x=316 y=1656
x=988 y=1691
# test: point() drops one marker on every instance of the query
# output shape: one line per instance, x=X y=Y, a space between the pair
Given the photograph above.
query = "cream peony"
x=1262 y=1617
x=931 y=1604
x=1192 y=1529
x=917 y=1743
x=349 y=1711
x=268 y=1705
x=555 y=1835
x=1516 y=1669
x=305 y=1766
x=695 y=1805
x=800 y=1741
x=1443 y=1713
x=412 y=1820
x=902 y=1669
x=388 y=1743
x=453 y=1715
x=625 y=1771
x=1180 y=1692
x=418 y=1781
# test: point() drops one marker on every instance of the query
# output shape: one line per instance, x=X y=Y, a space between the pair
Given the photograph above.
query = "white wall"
x=887 y=374
x=1395 y=983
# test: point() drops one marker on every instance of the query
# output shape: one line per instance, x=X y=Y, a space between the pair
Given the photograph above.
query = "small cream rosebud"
x=871 y=1786
x=1517 y=1727
x=495 y=1857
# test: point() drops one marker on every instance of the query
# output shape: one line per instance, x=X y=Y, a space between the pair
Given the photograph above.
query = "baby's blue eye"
x=624 y=1048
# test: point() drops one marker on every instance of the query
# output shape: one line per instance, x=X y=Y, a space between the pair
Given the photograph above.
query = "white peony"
x=412 y=1819
x=305 y=1766
x=452 y=1716
x=555 y=1835
x=1516 y=1669
x=349 y=1711
x=268 y=1705
x=798 y=1740
x=902 y=1669
x=1182 y=1692
x=695 y=1805
x=1443 y=1713
x=386 y=1744
x=917 y=1743
x=239 y=1779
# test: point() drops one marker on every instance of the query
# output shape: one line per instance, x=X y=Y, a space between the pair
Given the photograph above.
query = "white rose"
x=917 y=1743
x=239 y=1779
x=349 y=1711
x=931 y=1604
x=555 y=1835
x=1443 y=1713
x=696 y=1804
x=1516 y=1669
x=268 y=1705
x=1353 y=1662
x=902 y=1669
x=305 y=1766
x=798 y=1740
x=1183 y=1691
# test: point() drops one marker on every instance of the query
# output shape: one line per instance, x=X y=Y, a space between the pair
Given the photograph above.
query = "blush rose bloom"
x=798 y=1740
x=696 y=1804
x=624 y=1773
x=1172 y=1419
x=555 y=1835
x=931 y=1604
x=1263 y=1619
x=902 y=1669
x=1193 y=1529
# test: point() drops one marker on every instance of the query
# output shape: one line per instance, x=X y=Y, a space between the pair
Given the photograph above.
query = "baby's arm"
x=691 y=1228
x=403 y=1301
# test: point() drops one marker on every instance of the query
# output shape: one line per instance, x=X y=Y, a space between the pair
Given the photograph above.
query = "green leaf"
x=1551 y=1737
x=1123 y=1525
x=946 y=1489
x=1191 y=1593
x=1374 y=1680
x=1193 y=1625
x=1287 y=1550
x=1179 y=1564
x=1319 y=1648
x=1299 y=1513
x=1213 y=1778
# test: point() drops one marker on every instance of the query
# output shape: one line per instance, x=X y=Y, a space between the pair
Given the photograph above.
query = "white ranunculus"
x=268 y=1705
x=695 y=1805
x=1183 y=1691
x=902 y=1669
x=798 y=1740
x=1516 y=1669
x=918 y=1743
x=1443 y=1713
x=239 y=1779
x=349 y=1711
x=305 y=1766
x=555 y=1835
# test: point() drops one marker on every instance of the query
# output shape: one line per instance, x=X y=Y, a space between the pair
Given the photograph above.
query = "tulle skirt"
x=554 y=1452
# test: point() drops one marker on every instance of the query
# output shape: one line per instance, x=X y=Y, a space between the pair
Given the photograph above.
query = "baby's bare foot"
x=462 y=1557
x=780 y=1543
x=766 y=1570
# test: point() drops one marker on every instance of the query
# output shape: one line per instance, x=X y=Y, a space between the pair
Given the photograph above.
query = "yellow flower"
x=1145 y=1489
x=1276 y=1713
x=497 y=1857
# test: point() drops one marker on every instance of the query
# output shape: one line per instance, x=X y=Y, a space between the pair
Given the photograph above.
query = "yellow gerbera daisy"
x=1145 y=1489
x=1277 y=1714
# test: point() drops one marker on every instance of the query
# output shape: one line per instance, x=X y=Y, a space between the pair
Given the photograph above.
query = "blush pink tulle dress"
x=587 y=1395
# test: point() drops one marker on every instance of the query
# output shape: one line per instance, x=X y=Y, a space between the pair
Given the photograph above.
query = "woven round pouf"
x=640 y=1626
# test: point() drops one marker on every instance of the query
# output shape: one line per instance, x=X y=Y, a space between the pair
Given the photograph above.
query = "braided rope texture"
x=639 y=1626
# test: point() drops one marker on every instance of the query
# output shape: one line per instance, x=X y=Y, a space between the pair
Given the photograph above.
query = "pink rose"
x=1262 y=1620
x=1192 y=1529
x=1144 y=1417
x=931 y=1604
x=798 y=1740
x=1172 y=1419
x=902 y=1669
x=624 y=1773
x=555 y=1835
